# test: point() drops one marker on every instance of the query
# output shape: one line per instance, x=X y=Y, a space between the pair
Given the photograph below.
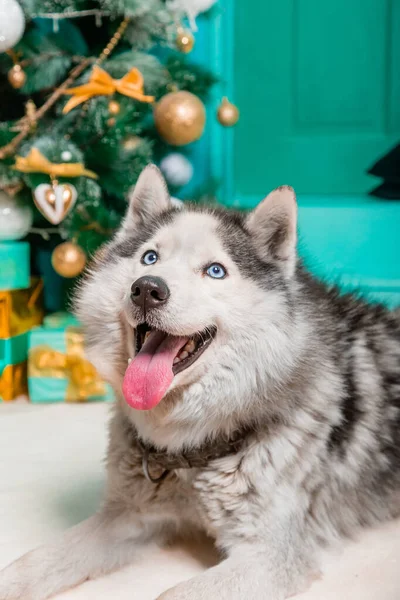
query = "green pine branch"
x=116 y=147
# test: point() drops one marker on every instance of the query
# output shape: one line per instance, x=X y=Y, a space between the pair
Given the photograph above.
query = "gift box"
x=13 y=381
x=13 y=350
x=13 y=371
x=60 y=320
x=20 y=310
x=15 y=265
x=57 y=368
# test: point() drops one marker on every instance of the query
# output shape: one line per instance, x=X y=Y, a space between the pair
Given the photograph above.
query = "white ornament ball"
x=66 y=155
x=177 y=169
x=12 y=24
x=15 y=218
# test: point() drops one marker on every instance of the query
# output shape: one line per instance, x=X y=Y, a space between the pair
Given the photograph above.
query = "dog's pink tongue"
x=149 y=375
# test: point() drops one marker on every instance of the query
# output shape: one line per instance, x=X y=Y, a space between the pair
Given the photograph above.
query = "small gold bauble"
x=114 y=107
x=111 y=121
x=180 y=118
x=16 y=77
x=131 y=142
x=228 y=113
x=184 y=40
x=68 y=259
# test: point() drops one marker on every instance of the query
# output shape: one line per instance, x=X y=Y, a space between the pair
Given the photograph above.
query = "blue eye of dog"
x=150 y=257
x=216 y=271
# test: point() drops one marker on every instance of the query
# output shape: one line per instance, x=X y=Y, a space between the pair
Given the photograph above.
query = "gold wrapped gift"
x=62 y=360
x=20 y=310
x=13 y=382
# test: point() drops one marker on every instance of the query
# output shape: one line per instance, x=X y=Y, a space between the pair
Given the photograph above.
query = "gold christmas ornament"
x=114 y=107
x=16 y=77
x=111 y=121
x=68 y=259
x=184 y=40
x=67 y=194
x=180 y=118
x=228 y=113
x=116 y=38
x=55 y=201
x=131 y=142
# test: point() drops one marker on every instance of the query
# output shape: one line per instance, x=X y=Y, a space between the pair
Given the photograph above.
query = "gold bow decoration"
x=102 y=84
x=35 y=162
x=83 y=379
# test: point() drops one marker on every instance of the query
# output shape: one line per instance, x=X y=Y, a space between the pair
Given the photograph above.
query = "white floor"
x=51 y=476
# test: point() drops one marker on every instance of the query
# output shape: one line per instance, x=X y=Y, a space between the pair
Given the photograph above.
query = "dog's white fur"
x=271 y=506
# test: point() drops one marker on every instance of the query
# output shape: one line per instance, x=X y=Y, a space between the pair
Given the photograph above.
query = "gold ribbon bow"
x=35 y=162
x=83 y=379
x=102 y=84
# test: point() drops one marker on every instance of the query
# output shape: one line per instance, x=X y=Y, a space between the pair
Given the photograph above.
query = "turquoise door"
x=318 y=88
x=318 y=84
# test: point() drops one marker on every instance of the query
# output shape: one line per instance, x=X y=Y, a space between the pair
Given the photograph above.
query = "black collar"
x=155 y=460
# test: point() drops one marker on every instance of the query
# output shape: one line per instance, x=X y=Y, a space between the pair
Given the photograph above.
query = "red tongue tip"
x=149 y=375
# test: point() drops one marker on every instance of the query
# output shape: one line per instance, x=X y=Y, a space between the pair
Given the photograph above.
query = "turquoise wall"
x=318 y=88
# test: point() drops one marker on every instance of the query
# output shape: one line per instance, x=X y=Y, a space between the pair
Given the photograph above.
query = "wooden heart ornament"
x=55 y=201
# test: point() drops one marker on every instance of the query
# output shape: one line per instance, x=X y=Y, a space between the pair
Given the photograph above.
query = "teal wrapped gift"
x=13 y=350
x=14 y=265
x=13 y=353
x=57 y=368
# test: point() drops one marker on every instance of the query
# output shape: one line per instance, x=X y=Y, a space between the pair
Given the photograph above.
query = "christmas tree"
x=92 y=91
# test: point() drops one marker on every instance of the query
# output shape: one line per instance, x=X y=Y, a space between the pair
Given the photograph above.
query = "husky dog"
x=254 y=403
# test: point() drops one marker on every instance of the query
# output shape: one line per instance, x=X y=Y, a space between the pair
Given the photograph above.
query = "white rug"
x=51 y=476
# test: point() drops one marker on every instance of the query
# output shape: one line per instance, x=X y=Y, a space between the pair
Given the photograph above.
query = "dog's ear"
x=273 y=226
x=148 y=198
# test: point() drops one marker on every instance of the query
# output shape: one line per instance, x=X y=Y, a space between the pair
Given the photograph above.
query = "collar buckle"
x=145 y=467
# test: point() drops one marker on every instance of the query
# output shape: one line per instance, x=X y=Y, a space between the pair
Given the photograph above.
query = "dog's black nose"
x=149 y=292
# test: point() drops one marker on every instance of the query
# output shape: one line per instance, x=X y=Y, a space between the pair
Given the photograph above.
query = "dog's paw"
x=26 y=578
x=221 y=585
x=188 y=590
x=13 y=584
x=176 y=593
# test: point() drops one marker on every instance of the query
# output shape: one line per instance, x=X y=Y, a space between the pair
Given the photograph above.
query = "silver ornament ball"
x=15 y=218
x=177 y=169
x=12 y=24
